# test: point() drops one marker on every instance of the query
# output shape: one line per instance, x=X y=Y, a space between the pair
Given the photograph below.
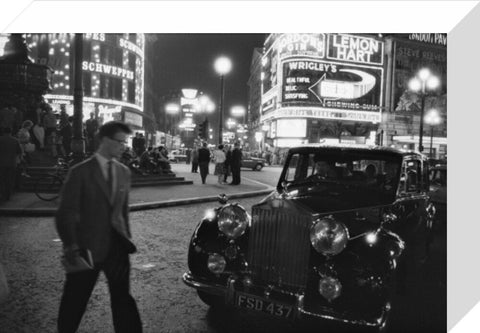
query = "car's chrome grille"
x=279 y=247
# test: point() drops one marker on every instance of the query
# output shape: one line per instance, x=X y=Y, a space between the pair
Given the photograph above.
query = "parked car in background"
x=251 y=162
x=344 y=227
x=177 y=156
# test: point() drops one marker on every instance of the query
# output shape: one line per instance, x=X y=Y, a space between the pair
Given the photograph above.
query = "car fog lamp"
x=329 y=236
x=233 y=221
x=371 y=238
x=216 y=263
x=330 y=288
x=209 y=214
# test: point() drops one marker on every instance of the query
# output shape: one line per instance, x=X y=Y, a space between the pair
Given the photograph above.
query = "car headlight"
x=233 y=221
x=330 y=288
x=216 y=263
x=329 y=236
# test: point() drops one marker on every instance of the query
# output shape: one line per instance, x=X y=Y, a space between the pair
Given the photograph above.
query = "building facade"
x=407 y=54
x=322 y=88
x=349 y=88
x=113 y=74
x=255 y=98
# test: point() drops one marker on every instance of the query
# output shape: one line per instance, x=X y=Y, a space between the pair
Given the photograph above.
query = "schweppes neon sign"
x=108 y=69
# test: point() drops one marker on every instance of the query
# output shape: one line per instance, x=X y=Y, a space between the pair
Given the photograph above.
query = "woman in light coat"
x=219 y=158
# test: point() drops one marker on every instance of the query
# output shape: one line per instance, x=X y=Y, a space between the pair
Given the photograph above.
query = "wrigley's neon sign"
x=107 y=69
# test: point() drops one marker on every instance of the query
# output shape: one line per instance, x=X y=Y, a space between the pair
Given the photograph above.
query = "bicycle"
x=47 y=187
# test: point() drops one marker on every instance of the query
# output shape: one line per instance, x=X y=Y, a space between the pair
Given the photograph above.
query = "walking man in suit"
x=203 y=161
x=236 y=163
x=93 y=215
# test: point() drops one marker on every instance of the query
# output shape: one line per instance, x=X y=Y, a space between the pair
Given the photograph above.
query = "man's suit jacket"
x=203 y=155
x=236 y=158
x=87 y=213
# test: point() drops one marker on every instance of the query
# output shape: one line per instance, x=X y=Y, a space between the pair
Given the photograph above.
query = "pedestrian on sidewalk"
x=228 y=162
x=91 y=126
x=49 y=122
x=10 y=152
x=219 y=158
x=93 y=215
x=203 y=161
x=236 y=164
x=195 y=160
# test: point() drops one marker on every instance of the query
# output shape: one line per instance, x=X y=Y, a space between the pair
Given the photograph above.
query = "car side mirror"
x=222 y=198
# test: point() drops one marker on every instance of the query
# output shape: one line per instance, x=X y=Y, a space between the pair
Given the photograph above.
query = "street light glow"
x=172 y=108
x=237 y=111
x=433 y=117
x=223 y=65
x=415 y=84
x=424 y=74
x=433 y=82
x=231 y=123
x=204 y=100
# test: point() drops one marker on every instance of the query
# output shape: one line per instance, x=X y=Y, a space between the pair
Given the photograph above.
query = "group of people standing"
x=227 y=162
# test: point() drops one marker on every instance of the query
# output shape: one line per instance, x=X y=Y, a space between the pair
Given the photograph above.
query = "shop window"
x=103 y=87
x=119 y=58
x=131 y=61
x=131 y=92
x=117 y=89
x=87 y=84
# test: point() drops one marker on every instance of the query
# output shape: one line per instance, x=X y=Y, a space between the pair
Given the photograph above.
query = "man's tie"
x=110 y=178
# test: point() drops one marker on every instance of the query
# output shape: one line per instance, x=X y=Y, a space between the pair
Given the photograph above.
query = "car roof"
x=355 y=148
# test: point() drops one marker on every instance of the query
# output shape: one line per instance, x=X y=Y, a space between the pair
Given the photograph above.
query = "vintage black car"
x=344 y=228
x=251 y=162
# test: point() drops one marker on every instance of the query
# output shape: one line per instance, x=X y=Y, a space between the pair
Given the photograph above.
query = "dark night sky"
x=186 y=61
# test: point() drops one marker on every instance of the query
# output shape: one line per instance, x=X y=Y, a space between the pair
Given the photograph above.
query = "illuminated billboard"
x=334 y=76
x=291 y=128
x=332 y=85
x=113 y=73
x=355 y=49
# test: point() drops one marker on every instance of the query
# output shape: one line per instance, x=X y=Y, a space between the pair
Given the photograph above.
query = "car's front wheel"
x=210 y=300
x=258 y=167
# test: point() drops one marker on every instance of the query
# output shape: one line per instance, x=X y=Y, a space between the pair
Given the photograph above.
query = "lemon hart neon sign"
x=107 y=69
x=355 y=49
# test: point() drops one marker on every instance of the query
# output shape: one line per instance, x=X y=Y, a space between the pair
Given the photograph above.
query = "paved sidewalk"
x=142 y=198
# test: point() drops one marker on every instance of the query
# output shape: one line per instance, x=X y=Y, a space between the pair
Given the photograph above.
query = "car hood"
x=357 y=214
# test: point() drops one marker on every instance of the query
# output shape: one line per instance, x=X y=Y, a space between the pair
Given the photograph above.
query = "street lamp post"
x=78 y=141
x=172 y=109
x=419 y=83
x=222 y=67
x=206 y=106
x=432 y=118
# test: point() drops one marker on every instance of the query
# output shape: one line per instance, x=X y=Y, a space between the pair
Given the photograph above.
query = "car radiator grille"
x=279 y=247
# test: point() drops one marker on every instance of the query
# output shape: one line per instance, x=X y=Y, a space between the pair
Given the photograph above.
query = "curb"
x=50 y=212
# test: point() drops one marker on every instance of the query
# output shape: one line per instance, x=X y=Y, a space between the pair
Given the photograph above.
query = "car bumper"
x=300 y=311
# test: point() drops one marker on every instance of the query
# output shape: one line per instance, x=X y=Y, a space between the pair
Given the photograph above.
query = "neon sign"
x=107 y=69
x=99 y=37
x=332 y=85
x=440 y=39
x=355 y=49
x=301 y=44
x=126 y=44
x=325 y=113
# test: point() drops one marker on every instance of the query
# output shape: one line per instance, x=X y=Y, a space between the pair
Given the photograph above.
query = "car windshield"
x=359 y=171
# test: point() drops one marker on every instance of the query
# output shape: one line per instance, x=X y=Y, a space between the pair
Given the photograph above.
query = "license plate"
x=250 y=302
